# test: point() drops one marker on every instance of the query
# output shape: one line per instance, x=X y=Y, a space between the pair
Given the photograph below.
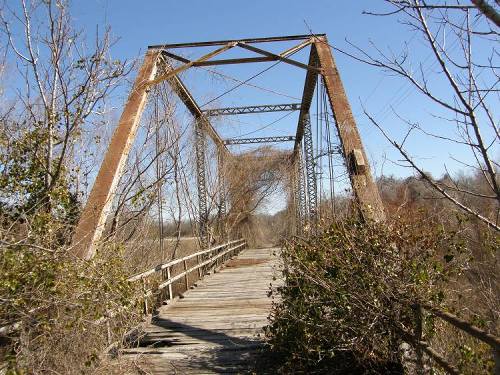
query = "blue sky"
x=139 y=24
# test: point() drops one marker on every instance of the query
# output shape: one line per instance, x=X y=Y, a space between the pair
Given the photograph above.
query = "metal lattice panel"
x=202 y=184
x=302 y=211
x=299 y=193
x=221 y=182
x=252 y=109
x=242 y=141
x=310 y=169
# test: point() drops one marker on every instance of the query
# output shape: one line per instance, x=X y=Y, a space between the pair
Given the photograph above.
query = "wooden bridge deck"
x=217 y=326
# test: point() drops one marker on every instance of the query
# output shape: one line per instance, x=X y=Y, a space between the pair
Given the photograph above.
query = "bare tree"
x=252 y=178
x=470 y=74
x=66 y=82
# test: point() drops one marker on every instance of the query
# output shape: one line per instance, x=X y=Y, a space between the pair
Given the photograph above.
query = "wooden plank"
x=218 y=326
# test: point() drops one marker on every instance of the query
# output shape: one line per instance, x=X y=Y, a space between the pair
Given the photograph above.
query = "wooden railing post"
x=186 y=280
x=199 y=269
x=144 y=291
x=170 y=294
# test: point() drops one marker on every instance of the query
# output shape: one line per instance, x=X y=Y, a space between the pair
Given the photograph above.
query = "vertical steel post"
x=294 y=196
x=299 y=193
x=310 y=168
x=202 y=184
x=221 y=182
x=302 y=207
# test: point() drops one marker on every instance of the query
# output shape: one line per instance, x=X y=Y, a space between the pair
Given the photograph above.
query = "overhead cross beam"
x=223 y=42
x=252 y=109
x=205 y=60
x=242 y=141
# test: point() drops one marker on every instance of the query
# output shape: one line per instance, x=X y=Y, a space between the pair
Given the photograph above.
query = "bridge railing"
x=422 y=346
x=206 y=261
x=161 y=277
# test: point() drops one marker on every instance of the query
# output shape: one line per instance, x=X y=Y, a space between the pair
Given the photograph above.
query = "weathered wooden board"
x=217 y=326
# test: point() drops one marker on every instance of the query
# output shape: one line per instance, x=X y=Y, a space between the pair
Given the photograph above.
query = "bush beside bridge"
x=349 y=296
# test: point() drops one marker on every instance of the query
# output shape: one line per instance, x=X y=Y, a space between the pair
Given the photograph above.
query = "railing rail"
x=205 y=260
x=422 y=346
x=163 y=266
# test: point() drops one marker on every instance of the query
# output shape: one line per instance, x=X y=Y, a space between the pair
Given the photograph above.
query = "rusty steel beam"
x=307 y=96
x=217 y=62
x=252 y=109
x=93 y=218
x=175 y=57
x=173 y=72
x=242 y=141
x=277 y=57
x=244 y=60
x=248 y=40
x=188 y=100
x=363 y=185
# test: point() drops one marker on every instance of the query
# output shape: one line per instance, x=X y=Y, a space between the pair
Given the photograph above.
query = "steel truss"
x=252 y=109
x=156 y=68
x=242 y=141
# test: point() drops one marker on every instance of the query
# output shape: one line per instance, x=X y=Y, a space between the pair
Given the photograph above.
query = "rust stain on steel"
x=188 y=100
x=307 y=96
x=363 y=185
x=93 y=218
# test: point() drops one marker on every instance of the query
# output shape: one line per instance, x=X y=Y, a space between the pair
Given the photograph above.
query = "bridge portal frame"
x=156 y=68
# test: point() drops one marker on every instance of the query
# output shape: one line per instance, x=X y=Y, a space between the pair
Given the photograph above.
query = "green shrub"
x=61 y=302
x=349 y=292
